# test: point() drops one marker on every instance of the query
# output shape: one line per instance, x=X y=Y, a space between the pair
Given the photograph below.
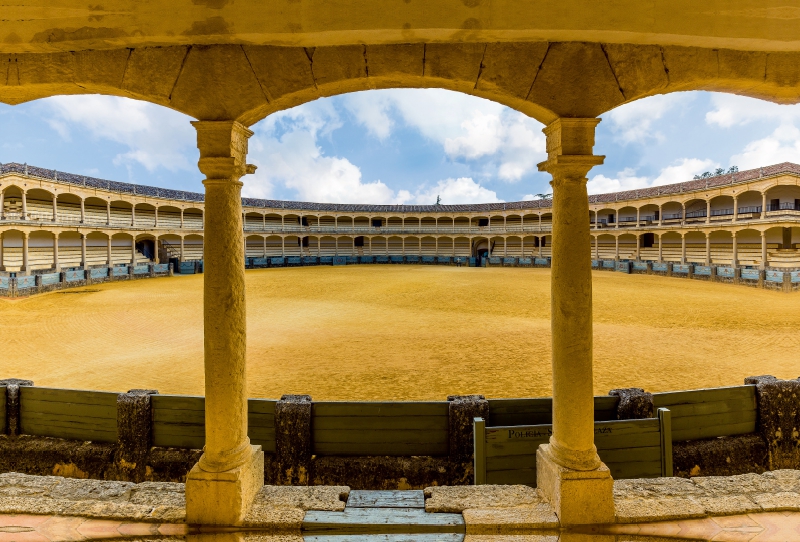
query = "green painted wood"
x=261 y=406
x=386 y=499
x=665 y=420
x=505 y=477
x=3 y=401
x=164 y=415
x=713 y=431
x=716 y=407
x=177 y=441
x=479 y=450
x=68 y=431
x=67 y=396
x=381 y=448
x=177 y=402
x=417 y=537
x=382 y=409
x=376 y=423
x=538 y=410
x=77 y=410
x=381 y=521
x=104 y=424
x=669 y=399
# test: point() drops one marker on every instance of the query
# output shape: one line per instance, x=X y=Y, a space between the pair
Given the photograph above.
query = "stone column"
x=683 y=248
x=708 y=248
x=55 y=207
x=2 y=265
x=83 y=211
x=638 y=245
x=735 y=209
x=133 y=214
x=2 y=205
x=616 y=247
x=569 y=472
x=155 y=249
x=25 y=206
x=108 y=247
x=708 y=211
x=24 y=251
x=108 y=214
x=83 y=250
x=181 y=218
x=293 y=442
x=56 y=263
x=221 y=486
x=12 y=404
x=763 y=250
x=134 y=430
x=155 y=224
x=763 y=205
x=735 y=255
x=181 y=254
x=133 y=250
x=660 y=247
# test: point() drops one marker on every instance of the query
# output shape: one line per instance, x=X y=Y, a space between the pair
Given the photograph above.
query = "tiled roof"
x=143 y=190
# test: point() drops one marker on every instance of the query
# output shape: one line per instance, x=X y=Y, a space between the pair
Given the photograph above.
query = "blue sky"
x=402 y=146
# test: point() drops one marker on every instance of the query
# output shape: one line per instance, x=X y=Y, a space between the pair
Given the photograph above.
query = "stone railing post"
x=463 y=410
x=134 y=434
x=737 y=275
x=634 y=403
x=787 y=282
x=13 y=425
x=293 y=445
x=649 y=270
x=778 y=403
x=220 y=488
x=669 y=269
x=171 y=270
x=569 y=473
x=713 y=275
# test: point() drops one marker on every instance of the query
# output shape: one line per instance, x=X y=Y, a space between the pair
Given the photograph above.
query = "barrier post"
x=12 y=385
x=293 y=441
x=634 y=403
x=787 y=282
x=463 y=409
x=479 y=451
x=713 y=276
x=669 y=269
x=778 y=419
x=665 y=426
x=134 y=434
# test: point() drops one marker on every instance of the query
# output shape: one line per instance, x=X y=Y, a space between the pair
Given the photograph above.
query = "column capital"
x=569 y=148
x=223 y=149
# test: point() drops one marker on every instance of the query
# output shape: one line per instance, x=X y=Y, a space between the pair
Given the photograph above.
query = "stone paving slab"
x=386 y=499
x=381 y=521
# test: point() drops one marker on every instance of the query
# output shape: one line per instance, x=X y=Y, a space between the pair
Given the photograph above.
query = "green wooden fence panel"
x=710 y=413
x=381 y=428
x=179 y=422
x=69 y=414
x=630 y=449
x=539 y=411
x=3 y=402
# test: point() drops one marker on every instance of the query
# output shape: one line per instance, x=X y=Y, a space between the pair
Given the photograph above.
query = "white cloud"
x=681 y=171
x=468 y=128
x=155 y=136
x=730 y=110
x=783 y=145
x=633 y=122
x=455 y=191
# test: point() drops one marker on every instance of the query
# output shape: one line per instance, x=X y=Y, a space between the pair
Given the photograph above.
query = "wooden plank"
x=260 y=420
x=698 y=433
x=322 y=436
x=72 y=432
x=522 y=476
x=722 y=419
x=668 y=399
x=479 y=450
x=381 y=448
x=58 y=395
x=378 y=423
x=73 y=409
x=347 y=409
x=386 y=499
x=177 y=402
x=179 y=416
x=665 y=420
x=631 y=455
x=381 y=521
x=176 y=441
x=716 y=407
x=105 y=424
x=417 y=537
x=261 y=406
x=621 y=471
x=538 y=410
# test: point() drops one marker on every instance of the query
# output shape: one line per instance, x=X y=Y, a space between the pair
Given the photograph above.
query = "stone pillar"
x=83 y=250
x=24 y=251
x=133 y=250
x=660 y=247
x=2 y=265
x=55 y=207
x=616 y=247
x=634 y=403
x=683 y=248
x=708 y=248
x=221 y=487
x=133 y=214
x=293 y=446
x=734 y=255
x=779 y=419
x=181 y=254
x=570 y=474
x=25 y=206
x=735 y=209
x=12 y=404
x=708 y=211
x=108 y=251
x=763 y=205
x=83 y=211
x=108 y=213
x=56 y=263
x=134 y=430
x=463 y=411
x=2 y=205
x=764 y=250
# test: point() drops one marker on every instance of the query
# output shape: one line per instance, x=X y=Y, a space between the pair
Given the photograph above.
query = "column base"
x=223 y=498
x=577 y=497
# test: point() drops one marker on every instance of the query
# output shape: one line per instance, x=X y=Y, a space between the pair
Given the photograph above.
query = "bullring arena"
x=463 y=373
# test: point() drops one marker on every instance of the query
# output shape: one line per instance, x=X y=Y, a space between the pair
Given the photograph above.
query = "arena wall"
x=141 y=435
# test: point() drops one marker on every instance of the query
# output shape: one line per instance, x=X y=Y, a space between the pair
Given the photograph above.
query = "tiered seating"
x=378 y=245
x=412 y=245
x=193 y=250
x=41 y=211
x=327 y=246
x=292 y=246
x=145 y=218
x=428 y=246
x=445 y=246
x=274 y=246
x=168 y=219
x=68 y=212
x=395 y=246
x=345 y=246
x=463 y=247
x=513 y=247
x=192 y=221
x=95 y=215
x=395 y=222
x=254 y=247
x=120 y=216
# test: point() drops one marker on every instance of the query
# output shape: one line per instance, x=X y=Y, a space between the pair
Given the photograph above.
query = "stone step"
x=386 y=499
x=441 y=537
x=381 y=521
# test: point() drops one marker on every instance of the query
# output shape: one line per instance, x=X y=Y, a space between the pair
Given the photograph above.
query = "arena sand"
x=401 y=333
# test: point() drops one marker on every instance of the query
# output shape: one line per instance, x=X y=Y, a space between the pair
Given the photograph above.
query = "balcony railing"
x=785 y=206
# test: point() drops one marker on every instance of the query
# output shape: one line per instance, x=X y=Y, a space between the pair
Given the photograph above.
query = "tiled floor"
x=761 y=527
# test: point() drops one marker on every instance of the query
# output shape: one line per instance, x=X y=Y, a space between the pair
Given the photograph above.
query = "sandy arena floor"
x=401 y=332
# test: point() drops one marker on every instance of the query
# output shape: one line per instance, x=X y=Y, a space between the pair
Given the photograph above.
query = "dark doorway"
x=648 y=240
x=482 y=222
x=359 y=241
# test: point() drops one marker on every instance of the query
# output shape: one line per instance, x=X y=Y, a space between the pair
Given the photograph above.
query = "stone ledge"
x=456 y=499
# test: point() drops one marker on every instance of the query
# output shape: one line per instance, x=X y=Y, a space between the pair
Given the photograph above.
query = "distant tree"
x=733 y=169
x=719 y=171
x=438 y=200
x=543 y=196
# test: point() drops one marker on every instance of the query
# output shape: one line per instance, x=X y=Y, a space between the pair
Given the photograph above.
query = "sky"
x=403 y=146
